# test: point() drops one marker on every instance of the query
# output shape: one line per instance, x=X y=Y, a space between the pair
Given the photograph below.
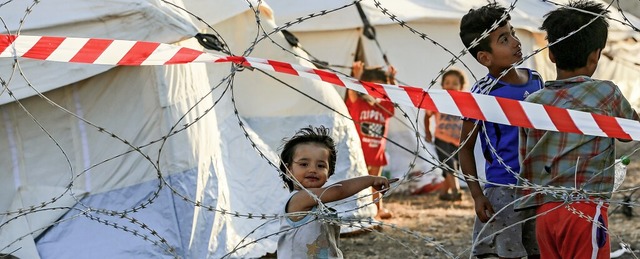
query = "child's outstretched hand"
x=381 y=183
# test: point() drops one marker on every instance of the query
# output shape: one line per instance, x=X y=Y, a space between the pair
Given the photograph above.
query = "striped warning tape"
x=476 y=106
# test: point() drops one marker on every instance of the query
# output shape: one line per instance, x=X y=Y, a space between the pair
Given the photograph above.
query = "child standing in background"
x=308 y=159
x=447 y=138
x=371 y=117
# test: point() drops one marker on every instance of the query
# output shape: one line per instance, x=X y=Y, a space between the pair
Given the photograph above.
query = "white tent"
x=82 y=161
x=81 y=157
x=632 y=7
x=333 y=37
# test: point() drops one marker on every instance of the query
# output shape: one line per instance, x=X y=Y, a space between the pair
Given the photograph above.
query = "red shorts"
x=562 y=233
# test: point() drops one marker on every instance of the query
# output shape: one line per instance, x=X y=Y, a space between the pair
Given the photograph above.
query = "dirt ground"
x=425 y=227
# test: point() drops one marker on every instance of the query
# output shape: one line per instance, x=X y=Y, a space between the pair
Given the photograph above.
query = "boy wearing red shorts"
x=574 y=169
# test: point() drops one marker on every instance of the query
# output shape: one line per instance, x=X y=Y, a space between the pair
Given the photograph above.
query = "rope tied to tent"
x=370 y=32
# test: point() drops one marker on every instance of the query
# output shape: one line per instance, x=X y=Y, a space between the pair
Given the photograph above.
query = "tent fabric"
x=526 y=14
x=121 y=181
x=146 y=20
x=406 y=50
x=32 y=225
x=437 y=19
x=169 y=216
x=407 y=10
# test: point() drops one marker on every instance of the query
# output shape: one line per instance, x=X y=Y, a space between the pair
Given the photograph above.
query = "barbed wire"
x=148 y=234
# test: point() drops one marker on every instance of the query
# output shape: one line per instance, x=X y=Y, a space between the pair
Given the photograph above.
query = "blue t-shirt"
x=503 y=138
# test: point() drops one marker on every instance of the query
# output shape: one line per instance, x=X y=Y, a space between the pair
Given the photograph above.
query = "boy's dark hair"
x=310 y=134
x=374 y=75
x=457 y=73
x=476 y=21
x=572 y=52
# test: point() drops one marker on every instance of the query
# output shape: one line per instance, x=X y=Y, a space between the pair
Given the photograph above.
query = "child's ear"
x=595 y=55
x=592 y=60
x=484 y=58
x=552 y=57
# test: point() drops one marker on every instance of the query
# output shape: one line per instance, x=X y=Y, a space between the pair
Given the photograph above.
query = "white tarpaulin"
x=40 y=169
x=58 y=172
x=146 y=20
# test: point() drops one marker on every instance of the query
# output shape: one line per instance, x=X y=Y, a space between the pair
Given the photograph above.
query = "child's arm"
x=427 y=127
x=302 y=201
x=352 y=95
x=357 y=69
x=468 y=165
x=391 y=72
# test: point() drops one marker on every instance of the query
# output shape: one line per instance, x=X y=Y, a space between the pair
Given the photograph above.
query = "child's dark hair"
x=572 y=52
x=374 y=75
x=476 y=21
x=456 y=73
x=310 y=134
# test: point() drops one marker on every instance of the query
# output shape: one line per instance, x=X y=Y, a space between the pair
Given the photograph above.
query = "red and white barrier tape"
x=476 y=106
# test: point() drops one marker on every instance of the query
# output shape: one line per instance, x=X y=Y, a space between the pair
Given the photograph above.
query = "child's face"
x=505 y=47
x=310 y=165
x=451 y=82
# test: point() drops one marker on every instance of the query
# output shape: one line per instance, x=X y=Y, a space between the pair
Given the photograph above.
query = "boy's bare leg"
x=444 y=190
x=453 y=184
x=450 y=183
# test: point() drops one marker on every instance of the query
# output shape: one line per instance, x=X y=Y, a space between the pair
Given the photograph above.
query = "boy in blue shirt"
x=503 y=236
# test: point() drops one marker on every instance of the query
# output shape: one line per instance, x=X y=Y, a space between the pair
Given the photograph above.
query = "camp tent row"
x=334 y=37
x=91 y=119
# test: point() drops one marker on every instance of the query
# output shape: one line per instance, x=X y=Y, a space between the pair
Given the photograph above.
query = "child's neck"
x=513 y=76
x=564 y=74
x=587 y=70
